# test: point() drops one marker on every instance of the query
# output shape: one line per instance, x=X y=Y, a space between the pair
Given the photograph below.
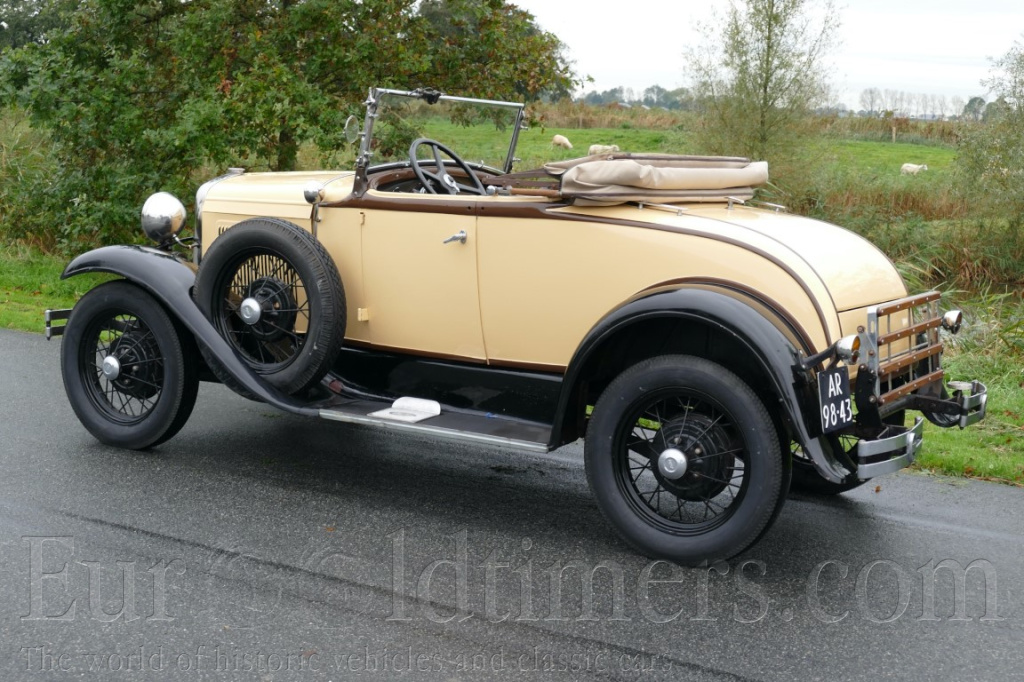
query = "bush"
x=27 y=169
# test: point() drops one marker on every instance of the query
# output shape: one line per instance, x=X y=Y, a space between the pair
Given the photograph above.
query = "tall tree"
x=655 y=96
x=871 y=101
x=991 y=153
x=760 y=74
x=974 y=109
x=29 y=21
x=138 y=95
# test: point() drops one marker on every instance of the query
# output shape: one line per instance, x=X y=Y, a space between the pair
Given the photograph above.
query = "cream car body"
x=523 y=291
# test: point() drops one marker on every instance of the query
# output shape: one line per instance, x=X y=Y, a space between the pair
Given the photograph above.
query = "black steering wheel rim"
x=431 y=181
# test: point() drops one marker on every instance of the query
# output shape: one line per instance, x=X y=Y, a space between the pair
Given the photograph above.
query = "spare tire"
x=274 y=294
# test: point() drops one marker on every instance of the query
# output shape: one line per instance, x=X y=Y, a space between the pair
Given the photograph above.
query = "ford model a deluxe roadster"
x=710 y=350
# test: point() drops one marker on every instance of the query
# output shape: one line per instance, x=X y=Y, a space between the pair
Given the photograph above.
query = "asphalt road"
x=257 y=545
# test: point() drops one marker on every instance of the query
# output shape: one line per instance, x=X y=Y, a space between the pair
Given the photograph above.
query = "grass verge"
x=30 y=283
x=992 y=449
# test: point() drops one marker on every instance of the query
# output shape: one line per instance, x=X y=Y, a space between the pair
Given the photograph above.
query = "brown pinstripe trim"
x=537 y=209
x=453 y=206
x=796 y=329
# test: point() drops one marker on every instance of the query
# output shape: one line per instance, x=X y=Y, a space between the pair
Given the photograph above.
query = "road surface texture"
x=260 y=546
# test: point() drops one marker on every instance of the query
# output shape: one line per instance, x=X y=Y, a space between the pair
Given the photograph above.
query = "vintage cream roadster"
x=708 y=349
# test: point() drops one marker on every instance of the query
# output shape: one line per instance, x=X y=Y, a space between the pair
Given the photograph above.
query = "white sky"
x=934 y=47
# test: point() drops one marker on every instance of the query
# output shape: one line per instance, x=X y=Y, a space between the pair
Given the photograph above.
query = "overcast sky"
x=934 y=47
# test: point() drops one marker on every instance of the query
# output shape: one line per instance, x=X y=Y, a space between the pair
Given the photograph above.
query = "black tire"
x=291 y=277
x=808 y=481
x=732 y=487
x=150 y=386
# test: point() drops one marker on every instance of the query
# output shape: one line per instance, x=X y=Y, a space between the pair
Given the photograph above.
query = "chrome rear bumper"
x=898 y=450
x=901 y=449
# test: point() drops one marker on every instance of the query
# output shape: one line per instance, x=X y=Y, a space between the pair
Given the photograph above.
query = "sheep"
x=561 y=141
x=912 y=168
x=603 y=149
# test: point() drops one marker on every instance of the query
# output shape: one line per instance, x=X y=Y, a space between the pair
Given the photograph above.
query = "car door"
x=420 y=276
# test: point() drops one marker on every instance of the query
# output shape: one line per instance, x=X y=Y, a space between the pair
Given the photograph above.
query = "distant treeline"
x=874 y=103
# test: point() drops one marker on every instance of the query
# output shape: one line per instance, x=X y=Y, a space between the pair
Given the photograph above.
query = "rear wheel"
x=806 y=478
x=129 y=374
x=684 y=460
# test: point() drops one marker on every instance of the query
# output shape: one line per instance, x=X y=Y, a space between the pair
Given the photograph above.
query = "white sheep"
x=912 y=168
x=603 y=149
x=561 y=141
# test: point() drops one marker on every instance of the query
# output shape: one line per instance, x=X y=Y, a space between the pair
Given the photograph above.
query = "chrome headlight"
x=163 y=216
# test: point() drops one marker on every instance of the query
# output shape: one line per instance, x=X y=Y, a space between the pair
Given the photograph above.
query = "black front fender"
x=170 y=280
x=762 y=333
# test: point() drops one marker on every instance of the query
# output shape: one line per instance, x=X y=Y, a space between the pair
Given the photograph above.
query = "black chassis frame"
x=772 y=362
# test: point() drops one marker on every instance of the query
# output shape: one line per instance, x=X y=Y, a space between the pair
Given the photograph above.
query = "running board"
x=462 y=426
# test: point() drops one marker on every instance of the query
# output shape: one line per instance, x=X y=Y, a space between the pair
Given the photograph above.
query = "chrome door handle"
x=459 y=236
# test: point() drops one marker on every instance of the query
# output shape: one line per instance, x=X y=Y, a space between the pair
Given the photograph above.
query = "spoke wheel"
x=129 y=371
x=264 y=309
x=806 y=478
x=274 y=294
x=684 y=460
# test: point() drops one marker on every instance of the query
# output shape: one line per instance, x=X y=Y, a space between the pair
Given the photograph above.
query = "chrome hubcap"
x=111 y=368
x=672 y=464
x=250 y=311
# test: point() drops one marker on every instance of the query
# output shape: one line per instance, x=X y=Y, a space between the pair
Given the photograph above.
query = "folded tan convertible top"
x=663 y=178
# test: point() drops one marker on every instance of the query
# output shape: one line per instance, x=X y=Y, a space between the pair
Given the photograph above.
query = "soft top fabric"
x=663 y=178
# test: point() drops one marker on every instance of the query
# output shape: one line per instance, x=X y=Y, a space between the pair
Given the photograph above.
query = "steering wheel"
x=432 y=180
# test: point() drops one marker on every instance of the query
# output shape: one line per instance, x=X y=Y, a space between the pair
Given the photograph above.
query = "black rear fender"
x=731 y=328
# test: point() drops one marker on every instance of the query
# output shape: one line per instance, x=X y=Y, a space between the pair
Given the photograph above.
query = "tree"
x=137 y=95
x=759 y=76
x=29 y=21
x=990 y=161
x=680 y=98
x=871 y=101
x=655 y=96
x=605 y=97
x=956 y=104
x=974 y=109
x=996 y=110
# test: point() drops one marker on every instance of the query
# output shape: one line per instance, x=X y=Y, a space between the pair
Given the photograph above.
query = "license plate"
x=834 y=396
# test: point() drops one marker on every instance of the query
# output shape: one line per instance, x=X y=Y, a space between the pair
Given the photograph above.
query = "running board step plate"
x=471 y=427
x=409 y=410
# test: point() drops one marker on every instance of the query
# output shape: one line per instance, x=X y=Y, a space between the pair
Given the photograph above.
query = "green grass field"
x=992 y=449
x=888 y=158
x=535 y=144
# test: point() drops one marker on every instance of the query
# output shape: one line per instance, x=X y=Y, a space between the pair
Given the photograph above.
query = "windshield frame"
x=364 y=161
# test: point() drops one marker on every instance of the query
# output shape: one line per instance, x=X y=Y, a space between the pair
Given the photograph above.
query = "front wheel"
x=684 y=460
x=130 y=377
